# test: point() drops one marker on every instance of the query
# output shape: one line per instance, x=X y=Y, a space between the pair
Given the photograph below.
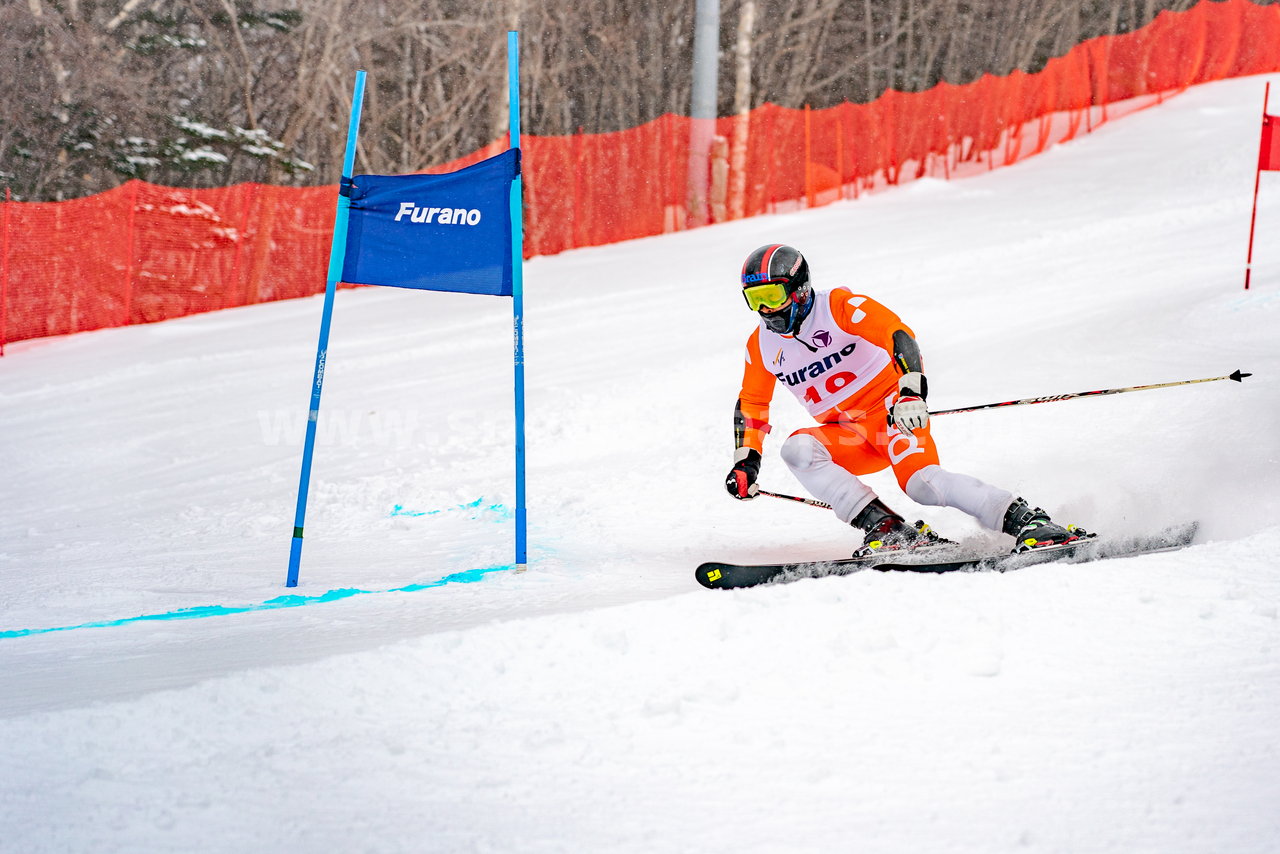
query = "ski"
x=720 y=576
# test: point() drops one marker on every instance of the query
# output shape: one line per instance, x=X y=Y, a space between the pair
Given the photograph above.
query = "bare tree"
x=213 y=92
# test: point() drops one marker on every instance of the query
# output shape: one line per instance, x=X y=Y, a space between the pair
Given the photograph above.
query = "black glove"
x=741 y=481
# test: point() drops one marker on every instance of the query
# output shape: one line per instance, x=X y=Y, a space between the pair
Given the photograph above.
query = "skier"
x=857 y=370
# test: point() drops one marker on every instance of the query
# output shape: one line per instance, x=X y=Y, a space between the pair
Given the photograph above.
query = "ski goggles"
x=766 y=295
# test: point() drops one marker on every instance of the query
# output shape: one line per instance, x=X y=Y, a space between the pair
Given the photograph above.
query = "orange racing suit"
x=843 y=367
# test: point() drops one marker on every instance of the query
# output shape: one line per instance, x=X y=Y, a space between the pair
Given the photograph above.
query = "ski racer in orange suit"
x=855 y=366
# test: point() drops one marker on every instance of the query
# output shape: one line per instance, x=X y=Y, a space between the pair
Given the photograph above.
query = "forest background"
x=207 y=93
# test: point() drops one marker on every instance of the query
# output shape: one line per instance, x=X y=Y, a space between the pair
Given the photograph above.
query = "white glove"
x=910 y=412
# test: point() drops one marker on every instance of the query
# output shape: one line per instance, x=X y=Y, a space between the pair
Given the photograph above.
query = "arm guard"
x=742 y=423
x=906 y=354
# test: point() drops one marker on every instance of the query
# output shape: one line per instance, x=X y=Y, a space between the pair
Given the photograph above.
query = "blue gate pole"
x=337 y=253
x=517 y=295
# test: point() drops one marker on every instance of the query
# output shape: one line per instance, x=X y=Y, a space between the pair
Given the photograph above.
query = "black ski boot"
x=1032 y=528
x=887 y=531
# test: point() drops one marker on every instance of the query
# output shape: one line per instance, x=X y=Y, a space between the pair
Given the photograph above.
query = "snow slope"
x=602 y=701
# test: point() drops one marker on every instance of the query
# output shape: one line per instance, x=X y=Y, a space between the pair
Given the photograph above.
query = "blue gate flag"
x=449 y=232
x=461 y=232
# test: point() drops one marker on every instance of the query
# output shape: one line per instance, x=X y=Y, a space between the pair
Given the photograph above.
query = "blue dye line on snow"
x=499 y=509
x=290 y=601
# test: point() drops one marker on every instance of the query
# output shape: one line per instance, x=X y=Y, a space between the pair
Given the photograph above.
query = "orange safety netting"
x=143 y=252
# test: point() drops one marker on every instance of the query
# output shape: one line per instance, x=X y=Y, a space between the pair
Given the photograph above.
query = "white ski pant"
x=933 y=485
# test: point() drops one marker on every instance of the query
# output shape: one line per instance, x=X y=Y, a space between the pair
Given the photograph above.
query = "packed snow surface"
x=419 y=695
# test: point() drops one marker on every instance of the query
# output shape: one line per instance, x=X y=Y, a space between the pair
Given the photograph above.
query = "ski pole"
x=812 y=502
x=1238 y=376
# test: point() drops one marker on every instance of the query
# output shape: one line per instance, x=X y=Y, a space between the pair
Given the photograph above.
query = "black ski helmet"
x=784 y=265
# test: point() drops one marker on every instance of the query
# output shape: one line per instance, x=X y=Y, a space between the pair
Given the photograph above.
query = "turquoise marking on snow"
x=287 y=601
x=500 y=510
x=465 y=577
x=399 y=510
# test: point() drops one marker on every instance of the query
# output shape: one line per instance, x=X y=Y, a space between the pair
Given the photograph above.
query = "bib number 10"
x=832 y=385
